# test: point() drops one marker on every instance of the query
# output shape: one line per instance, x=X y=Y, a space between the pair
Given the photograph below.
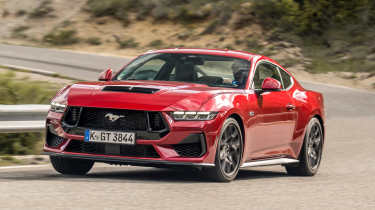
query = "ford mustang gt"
x=218 y=110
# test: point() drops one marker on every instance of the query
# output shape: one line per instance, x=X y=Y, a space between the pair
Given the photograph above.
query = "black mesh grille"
x=188 y=150
x=156 y=121
x=72 y=115
x=53 y=140
x=112 y=149
x=98 y=118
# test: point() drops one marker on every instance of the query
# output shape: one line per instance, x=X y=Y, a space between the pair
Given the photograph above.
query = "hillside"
x=281 y=31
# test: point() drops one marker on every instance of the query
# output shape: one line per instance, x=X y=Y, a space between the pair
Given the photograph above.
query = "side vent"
x=130 y=89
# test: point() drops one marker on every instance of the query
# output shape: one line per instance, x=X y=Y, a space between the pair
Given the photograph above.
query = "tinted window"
x=219 y=71
x=263 y=71
x=287 y=80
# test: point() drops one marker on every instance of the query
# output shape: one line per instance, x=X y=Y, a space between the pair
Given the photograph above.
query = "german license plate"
x=110 y=137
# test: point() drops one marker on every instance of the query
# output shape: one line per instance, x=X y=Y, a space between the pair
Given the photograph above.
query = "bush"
x=22 y=91
x=185 y=11
x=116 y=8
x=42 y=10
x=20 y=144
x=156 y=43
x=21 y=12
x=94 y=41
x=18 y=32
x=62 y=37
x=126 y=43
x=13 y=91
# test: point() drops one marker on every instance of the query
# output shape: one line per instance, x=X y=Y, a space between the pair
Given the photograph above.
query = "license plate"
x=110 y=137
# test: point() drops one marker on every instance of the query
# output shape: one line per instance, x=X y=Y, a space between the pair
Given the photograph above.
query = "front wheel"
x=228 y=152
x=311 y=152
x=70 y=166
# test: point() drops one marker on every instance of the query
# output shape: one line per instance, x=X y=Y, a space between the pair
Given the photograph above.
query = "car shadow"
x=136 y=174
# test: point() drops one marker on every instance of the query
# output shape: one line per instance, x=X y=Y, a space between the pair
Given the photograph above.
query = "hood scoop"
x=130 y=89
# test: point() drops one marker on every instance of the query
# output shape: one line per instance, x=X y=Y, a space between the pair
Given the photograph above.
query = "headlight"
x=58 y=107
x=198 y=116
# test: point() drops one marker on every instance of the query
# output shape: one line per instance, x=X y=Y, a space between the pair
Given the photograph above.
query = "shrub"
x=62 y=37
x=20 y=144
x=42 y=10
x=116 y=8
x=126 y=43
x=21 y=12
x=156 y=43
x=94 y=41
x=18 y=32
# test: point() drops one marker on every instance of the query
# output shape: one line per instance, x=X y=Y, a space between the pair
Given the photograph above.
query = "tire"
x=69 y=166
x=228 y=153
x=311 y=152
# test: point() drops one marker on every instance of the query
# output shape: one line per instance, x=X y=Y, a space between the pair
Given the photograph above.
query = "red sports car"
x=218 y=110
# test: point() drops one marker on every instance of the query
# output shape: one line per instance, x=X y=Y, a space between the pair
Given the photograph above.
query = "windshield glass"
x=218 y=71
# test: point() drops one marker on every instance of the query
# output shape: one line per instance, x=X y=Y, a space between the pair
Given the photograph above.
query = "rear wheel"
x=311 y=153
x=70 y=166
x=228 y=153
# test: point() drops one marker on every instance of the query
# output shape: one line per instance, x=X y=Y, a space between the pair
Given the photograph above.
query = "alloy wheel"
x=230 y=150
x=314 y=147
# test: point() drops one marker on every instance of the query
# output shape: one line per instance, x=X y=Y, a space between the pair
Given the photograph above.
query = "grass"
x=62 y=37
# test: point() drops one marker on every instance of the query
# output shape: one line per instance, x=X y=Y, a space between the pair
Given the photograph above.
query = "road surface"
x=346 y=179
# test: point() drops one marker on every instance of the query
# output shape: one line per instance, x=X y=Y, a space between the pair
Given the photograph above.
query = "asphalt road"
x=345 y=180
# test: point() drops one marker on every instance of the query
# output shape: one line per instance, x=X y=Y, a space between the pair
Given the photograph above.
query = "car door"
x=277 y=118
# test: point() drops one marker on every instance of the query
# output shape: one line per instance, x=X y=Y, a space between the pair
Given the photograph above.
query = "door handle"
x=290 y=107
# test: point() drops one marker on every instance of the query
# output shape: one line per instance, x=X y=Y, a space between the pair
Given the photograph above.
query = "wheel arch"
x=242 y=127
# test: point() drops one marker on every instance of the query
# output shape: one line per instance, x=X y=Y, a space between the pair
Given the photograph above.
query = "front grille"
x=138 y=150
x=147 y=125
x=188 y=150
x=53 y=140
x=98 y=118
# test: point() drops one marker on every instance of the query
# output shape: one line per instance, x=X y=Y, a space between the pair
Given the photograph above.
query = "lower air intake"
x=139 y=150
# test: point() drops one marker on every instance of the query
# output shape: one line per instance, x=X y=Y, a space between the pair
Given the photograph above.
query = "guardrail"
x=22 y=118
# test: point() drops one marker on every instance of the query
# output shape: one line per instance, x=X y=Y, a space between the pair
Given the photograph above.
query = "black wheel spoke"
x=230 y=149
x=314 y=145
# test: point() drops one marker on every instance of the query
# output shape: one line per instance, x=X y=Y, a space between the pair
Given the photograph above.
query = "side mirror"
x=106 y=75
x=271 y=84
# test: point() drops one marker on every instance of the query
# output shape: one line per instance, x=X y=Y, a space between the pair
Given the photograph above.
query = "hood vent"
x=130 y=89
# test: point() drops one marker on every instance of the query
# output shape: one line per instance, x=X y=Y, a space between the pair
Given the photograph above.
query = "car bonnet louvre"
x=130 y=89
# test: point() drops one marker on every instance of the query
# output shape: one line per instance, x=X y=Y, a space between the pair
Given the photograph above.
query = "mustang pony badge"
x=112 y=117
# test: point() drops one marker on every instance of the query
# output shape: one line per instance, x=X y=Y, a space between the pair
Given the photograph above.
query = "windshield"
x=218 y=71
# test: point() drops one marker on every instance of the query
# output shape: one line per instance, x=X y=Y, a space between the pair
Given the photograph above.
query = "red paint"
x=273 y=128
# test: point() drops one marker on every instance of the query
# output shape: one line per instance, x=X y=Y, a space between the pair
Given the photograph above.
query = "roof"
x=219 y=52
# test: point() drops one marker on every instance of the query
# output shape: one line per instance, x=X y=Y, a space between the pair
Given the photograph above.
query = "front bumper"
x=168 y=149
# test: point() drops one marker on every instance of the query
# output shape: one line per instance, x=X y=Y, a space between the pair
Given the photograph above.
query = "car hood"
x=143 y=95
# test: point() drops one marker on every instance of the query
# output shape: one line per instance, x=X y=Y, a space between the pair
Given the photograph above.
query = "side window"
x=287 y=80
x=263 y=71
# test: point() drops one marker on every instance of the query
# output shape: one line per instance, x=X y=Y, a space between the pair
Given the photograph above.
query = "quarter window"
x=287 y=80
x=263 y=71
